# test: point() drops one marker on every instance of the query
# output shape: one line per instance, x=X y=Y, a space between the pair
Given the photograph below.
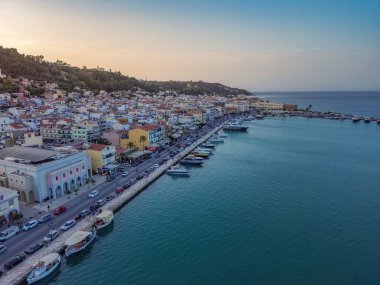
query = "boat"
x=200 y=154
x=191 y=159
x=222 y=135
x=355 y=119
x=259 y=117
x=79 y=241
x=378 y=122
x=177 y=170
x=44 y=267
x=208 y=145
x=104 y=219
x=367 y=119
x=234 y=127
x=206 y=150
x=216 y=140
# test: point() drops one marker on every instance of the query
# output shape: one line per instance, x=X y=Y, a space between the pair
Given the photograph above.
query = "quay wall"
x=21 y=271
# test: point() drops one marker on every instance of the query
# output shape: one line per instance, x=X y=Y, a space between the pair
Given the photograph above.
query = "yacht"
x=191 y=159
x=104 y=219
x=216 y=140
x=205 y=150
x=355 y=119
x=177 y=170
x=200 y=153
x=234 y=127
x=222 y=135
x=44 y=267
x=208 y=145
x=79 y=241
x=367 y=119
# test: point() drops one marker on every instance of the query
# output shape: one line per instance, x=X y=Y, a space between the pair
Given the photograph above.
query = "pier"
x=21 y=271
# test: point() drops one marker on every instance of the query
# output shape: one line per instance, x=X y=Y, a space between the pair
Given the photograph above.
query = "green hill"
x=68 y=77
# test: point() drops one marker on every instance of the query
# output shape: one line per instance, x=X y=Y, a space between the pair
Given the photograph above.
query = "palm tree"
x=143 y=140
x=131 y=145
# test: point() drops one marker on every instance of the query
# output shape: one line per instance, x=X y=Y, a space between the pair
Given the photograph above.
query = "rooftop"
x=33 y=155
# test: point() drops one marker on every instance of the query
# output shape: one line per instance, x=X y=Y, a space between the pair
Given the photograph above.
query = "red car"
x=59 y=210
x=119 y=190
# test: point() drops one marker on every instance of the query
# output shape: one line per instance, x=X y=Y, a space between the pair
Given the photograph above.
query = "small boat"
x=378 y=122
x=208 y=145
x=367 y=119
x=200 y=154
x=355 y=119
x=191 y=159
x=259 y=117
x=104 y=219
x=216 y=140
x=177 y=170
x=233 y=127
x=204 y=150
x=79 y=241
x=44 y=267
x=222 y=135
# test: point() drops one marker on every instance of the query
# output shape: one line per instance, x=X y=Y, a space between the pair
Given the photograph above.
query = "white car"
x=68 y=225
x=93 y=194
x=9 y=232
x=156 y=166
x=52 y=235
x=30 y=225
x=125 y=174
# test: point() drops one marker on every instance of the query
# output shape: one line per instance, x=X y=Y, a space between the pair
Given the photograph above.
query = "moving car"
x=14 y=261
x=30 y=225
x=125 y=174
x=93 y=194
x=9 y=232
x=52 y=235
x=34 y=247
x=59 y=210
x=68 y=225
x=45 y=218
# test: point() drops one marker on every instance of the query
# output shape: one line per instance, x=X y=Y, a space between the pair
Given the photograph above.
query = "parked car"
x=14 y=261
x=59 y=210
x=52 y=235
x=156 y=166
x=34 y=247
x=9 y=232
x=30 y=225
x=110 y=177
x=85 y=212
x=119 y=190
x=68 y=225
x=141 y=176
x=45 y=218
x=93 y=194
x=126 y=186
x=3 y=248
x=100 y=203
x=93 y=207
x=109 y=198
x=125 y=174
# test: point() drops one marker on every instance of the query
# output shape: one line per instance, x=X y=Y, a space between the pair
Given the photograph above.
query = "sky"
x=271 y=45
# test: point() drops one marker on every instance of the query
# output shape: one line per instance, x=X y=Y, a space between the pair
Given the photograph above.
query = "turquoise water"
x=354 y=103
x=293 y=201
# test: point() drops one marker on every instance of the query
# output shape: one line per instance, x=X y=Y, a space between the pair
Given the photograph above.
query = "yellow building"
x=144 y=137
x=102 y=158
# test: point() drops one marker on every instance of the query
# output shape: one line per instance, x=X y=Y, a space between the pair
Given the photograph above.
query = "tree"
x=131 y=145
x=143 y=140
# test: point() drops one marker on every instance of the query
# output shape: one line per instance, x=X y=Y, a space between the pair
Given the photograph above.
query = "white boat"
x=204 y=150
x=177 y=170
x=222 y=134
x=216 y=140
x=44 y=267
x=104 y=219
x=192 y=159
x=79 y=241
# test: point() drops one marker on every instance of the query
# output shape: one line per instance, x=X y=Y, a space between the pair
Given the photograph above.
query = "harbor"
x=19 y=274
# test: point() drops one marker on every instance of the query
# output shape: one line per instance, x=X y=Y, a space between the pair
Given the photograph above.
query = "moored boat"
x=44 y=267
x=200 y=154
x=222 y=134
x=216 y=140
x=355 y=119
x=234 y=128
x=177 y=170
x=367 y=119
x=79 y=241
x=193 y=160
x=104 y=219
x=208 y=145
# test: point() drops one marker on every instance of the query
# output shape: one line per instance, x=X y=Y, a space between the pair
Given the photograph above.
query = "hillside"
x=68 y=77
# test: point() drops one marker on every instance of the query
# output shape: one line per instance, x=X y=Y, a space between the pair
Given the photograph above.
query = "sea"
x=291 y=201
x=362 y=103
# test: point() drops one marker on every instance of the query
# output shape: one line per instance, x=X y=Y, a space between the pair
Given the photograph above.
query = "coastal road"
x=19 y=243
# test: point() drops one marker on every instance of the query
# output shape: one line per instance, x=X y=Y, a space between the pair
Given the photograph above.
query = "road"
x=19 y=243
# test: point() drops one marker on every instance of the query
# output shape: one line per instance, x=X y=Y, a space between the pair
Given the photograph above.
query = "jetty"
x=21 y=271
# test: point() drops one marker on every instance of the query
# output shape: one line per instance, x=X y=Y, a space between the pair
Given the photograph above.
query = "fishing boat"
x=178 y=171
x=104 y=219
x=79 y=241
x=192 y=160
x=44 y=267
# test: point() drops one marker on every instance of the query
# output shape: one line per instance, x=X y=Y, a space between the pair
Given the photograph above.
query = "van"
x=8 y=233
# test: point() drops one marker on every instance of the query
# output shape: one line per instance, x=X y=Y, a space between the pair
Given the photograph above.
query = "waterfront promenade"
x=20 y=272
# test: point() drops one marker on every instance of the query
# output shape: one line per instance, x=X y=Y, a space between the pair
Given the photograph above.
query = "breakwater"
x=21 y=271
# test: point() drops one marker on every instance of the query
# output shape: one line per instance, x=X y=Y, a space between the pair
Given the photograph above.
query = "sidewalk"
x=52 y=204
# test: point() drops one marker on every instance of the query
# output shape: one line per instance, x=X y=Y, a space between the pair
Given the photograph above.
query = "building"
x=8 y=203
x=29 y=139
x=145 y=136
x=86 y=130
x=102 y=158
x=41 y=174
x=55 y=132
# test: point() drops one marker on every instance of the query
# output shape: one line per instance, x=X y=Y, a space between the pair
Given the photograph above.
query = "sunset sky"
x=256 y=45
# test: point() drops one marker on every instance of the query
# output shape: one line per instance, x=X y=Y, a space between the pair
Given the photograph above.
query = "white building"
x=40 y=173
x=8 y=203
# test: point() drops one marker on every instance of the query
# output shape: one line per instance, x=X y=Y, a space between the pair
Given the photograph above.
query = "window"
x=11 y=202
x=71 y=172
x=64 y=175
x=56 y=178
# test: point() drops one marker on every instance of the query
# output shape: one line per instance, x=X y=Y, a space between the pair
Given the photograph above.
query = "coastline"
x=20 y=273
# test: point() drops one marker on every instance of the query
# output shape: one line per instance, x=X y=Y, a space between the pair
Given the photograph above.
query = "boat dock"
x=21 y=271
